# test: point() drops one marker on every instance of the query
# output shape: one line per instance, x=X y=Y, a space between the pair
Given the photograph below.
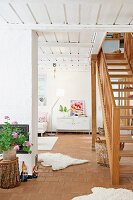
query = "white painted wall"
x=77 y=86
x=18 y=79
x=109 y=46
x=34 y=88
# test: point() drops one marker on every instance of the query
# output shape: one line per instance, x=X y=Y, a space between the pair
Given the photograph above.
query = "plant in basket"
x=11 y=139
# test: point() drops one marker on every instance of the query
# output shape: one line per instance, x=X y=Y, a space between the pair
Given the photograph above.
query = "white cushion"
x=42 y=127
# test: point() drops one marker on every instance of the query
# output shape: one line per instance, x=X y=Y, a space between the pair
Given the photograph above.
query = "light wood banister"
x=93 y=95
x=108 y=80
x=111 y=115
x=128 y=48
x=115 y=169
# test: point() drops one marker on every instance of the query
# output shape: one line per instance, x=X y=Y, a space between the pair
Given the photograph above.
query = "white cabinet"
x=74 y=124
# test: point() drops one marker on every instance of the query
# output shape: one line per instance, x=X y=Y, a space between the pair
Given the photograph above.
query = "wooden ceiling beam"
x=69 y=28
x=63 y=44
x=50 y=63
x=58 y=56
x=67 y=54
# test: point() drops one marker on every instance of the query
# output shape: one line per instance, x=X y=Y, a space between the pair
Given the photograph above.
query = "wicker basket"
x=101 y=152
x=101 y=131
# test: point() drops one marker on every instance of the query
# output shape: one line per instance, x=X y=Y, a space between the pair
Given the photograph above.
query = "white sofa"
x=42 y=127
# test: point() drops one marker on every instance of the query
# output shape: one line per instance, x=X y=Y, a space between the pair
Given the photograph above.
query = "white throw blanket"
x=58 y=160
x=100 y=193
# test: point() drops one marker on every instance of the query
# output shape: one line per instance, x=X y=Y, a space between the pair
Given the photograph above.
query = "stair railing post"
x=93 y=98
x=115 y=167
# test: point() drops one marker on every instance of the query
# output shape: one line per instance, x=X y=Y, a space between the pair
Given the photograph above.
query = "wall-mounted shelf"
x=115 y=36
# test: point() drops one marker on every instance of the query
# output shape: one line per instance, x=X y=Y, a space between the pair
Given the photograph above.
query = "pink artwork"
x=77 y=107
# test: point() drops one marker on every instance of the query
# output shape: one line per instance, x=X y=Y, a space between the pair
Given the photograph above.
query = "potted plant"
x=11 y=140
x=64 y=110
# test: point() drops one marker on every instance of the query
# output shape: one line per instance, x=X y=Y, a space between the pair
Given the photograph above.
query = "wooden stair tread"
x=116 y=64
x=126 y=117
x=126 y=153
x=119 y=70
x=126 y=169
x=123 y=90
x=126 y=127
x=121 y=76
x=124 y=98
x=114 y=56
x=122 y=82
x=108 y=54
x=127 y=139
x=125 y=107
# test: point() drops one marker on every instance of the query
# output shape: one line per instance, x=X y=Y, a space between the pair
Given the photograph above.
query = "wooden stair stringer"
x=129 y=65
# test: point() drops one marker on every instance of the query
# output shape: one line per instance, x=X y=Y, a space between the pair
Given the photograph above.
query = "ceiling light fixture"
x=54 y=66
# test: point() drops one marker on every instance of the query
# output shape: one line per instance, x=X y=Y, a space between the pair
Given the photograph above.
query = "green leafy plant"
x=63 y=109
x=11 y=137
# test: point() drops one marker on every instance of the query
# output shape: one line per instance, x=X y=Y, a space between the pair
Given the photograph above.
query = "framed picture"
x=77 y=107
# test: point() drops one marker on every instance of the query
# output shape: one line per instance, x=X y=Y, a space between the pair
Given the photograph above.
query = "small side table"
x=9 y=174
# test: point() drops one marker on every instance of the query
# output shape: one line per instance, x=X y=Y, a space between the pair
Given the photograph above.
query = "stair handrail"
x=128 y=48
x=111 y=114
x=128 y=53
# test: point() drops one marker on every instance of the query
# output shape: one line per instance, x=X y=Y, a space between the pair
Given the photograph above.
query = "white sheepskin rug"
x=58 y=161
x=100 y=193
x=46 y=143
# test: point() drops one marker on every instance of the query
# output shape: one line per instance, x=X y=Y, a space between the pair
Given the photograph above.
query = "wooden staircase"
x=121 y=78
x=115 y=78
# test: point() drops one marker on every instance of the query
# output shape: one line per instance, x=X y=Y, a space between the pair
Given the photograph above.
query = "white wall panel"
x=50 y=37
x=72 y=12
x=126 y=14
x=55 y=49
x=8 y=13
x=18 y=75
x=23 y=12
x=108 y=13
x=40 y=12
x=65 y=50
x=46 y=49
x=89 y=13
x=84 y=50
x=73 y=36
x=56 y=12
x=74 y=50
x=62 y=36
x=86 y=36
x=2 y=21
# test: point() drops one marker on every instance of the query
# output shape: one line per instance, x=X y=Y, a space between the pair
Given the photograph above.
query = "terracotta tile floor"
x=70 y=182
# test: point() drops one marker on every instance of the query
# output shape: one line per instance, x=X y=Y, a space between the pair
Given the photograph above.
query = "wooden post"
x=115 y=168
x=93 y=98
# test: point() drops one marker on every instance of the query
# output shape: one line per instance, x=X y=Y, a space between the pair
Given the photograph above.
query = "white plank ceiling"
x=69 y=49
